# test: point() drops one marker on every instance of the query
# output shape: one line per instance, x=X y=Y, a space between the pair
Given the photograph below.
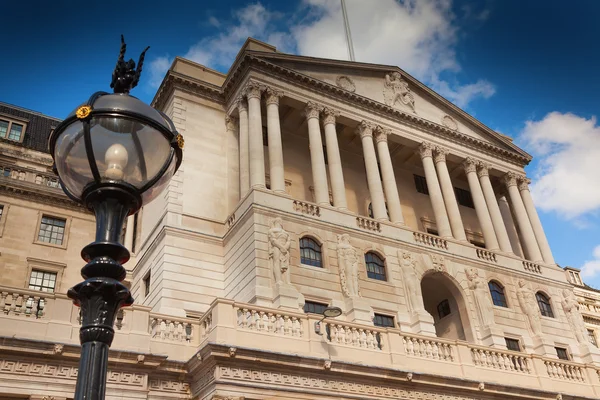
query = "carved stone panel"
x=345 y=83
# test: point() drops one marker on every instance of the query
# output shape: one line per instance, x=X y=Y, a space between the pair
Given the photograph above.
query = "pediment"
x=395 y=88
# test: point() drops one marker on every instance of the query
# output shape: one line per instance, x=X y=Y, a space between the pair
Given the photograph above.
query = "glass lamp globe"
x=116 y=141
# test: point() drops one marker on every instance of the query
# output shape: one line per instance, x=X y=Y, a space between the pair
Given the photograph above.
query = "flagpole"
x=348 y=35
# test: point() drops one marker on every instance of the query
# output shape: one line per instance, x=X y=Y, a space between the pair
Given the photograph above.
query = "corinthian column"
x=275 y=147
x=534 y=218
x=492 y=205
x=317 y=158
x=334 y=160
x=387 y=175
x=244 y=158
x=257 y=153
x=458 y=230
x=435 y=192
x=532 y=251
x=483 y=214
x=365 y=130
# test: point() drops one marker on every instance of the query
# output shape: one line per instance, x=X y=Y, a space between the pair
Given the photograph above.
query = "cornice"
x=175 y=80
x=39 y=194
x=254 y=61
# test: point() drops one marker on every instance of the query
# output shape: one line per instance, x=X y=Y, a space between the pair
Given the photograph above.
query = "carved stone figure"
x=481 y=294
x=530 y=308
x=279 y=251
x=571 y=307
x=348 y=264
x=412 y=283
x=345 y=83
x=438 y=262
x=396 y=90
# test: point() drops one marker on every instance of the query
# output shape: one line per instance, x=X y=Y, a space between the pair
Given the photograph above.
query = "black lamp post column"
x=102 y=294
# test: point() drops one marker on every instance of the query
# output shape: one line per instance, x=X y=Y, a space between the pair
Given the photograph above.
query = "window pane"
x=3 y=128
x=314 y=308
x=443 y=309
x=52 y=230
x=15 y=132
x=544 y=305
x=592 y=337
x=384 y=321
x=310 y=252
x=512 y=344
x=421 y=184
x=562 y=353
x=375 y=266
x=497 y=293
x=42 y=281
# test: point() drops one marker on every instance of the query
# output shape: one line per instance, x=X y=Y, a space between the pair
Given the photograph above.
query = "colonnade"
x=381 y=180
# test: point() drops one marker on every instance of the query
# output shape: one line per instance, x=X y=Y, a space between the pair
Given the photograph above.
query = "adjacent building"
x=307 y=183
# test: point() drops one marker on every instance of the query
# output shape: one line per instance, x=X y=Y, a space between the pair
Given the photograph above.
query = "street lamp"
x=113 y=154
x=328 y=312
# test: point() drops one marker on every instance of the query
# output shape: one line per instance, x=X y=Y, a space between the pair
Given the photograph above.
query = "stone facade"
x=305 y=183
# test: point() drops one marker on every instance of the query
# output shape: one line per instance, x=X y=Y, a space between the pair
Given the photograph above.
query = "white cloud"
x=419 y=36
x=565 y=179
x=591 y=268
x=158 y=68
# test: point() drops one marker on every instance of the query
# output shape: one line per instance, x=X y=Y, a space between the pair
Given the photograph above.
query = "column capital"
x=483 y=169
x=523 y=182
x=440 y=154
x=241 y=104
x=470 y=165
x=230 y=123
x=329 y=115
x=364 y=129
x=253 y=90
x=273 y=95
x=510 y=179
x=426 y=150
x=312 y=110
x=381 y=134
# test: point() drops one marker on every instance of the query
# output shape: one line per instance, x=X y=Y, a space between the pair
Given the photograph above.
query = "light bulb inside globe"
x=116 y=159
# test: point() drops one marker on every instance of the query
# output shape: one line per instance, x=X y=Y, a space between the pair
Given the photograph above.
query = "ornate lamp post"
x=113 y=154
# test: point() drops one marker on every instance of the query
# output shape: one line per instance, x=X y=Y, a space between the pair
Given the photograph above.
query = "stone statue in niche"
x=530 y=308
x=412 y=282
x=396 y=89
x=571 y=308
x=481 y=295
x=279 y=252
x=348 y=264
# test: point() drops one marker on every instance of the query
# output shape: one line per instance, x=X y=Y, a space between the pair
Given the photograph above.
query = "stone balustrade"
x=305 y=207
x=354 y=335
x=30 y=175
x=24 y=303
x=368 y=223
x=267 y=320
x=170 y=328
x=486 y=255
x=559 y=369
x=433 y=349
x=532 y=267
x=430 y=240
x=501 y=359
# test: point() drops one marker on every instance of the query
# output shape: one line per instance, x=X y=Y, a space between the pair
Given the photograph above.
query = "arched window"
x=544 y=304
x=375 y=266
x=497 y=292
x=443 y=308
x=310 y=252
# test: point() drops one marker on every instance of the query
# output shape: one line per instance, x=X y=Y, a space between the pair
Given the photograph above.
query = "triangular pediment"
x=395 y=88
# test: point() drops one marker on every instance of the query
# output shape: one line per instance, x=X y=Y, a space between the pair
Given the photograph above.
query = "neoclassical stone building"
x=306 y=183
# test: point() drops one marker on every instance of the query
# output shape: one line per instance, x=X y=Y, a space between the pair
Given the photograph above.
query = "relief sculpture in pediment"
x=345 y=83
x=396 y=90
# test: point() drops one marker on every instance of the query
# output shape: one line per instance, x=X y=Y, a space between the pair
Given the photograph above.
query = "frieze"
x=332 y=385
x=169 y=386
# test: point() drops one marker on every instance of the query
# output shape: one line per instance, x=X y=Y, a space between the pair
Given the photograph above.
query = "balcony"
x=270 y=330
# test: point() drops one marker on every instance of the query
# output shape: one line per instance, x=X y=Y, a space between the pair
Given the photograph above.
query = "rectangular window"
x=313 y=307
x=42 y=281
x=463 y=197
x=433 y=232
x=477 y=243
x=52 y=230
x=16 y=130
x=5 y=172
x=421 y=184
x=592 y=337
x=562 y=353
x=512 y=344
x=443 y=309
x=3 y=128
x=147 y=284
x=384 y=321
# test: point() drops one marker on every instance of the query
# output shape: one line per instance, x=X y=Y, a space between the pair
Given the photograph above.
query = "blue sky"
x=525 y=68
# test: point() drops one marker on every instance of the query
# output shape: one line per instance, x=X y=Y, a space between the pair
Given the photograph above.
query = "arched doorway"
x=443 y=299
